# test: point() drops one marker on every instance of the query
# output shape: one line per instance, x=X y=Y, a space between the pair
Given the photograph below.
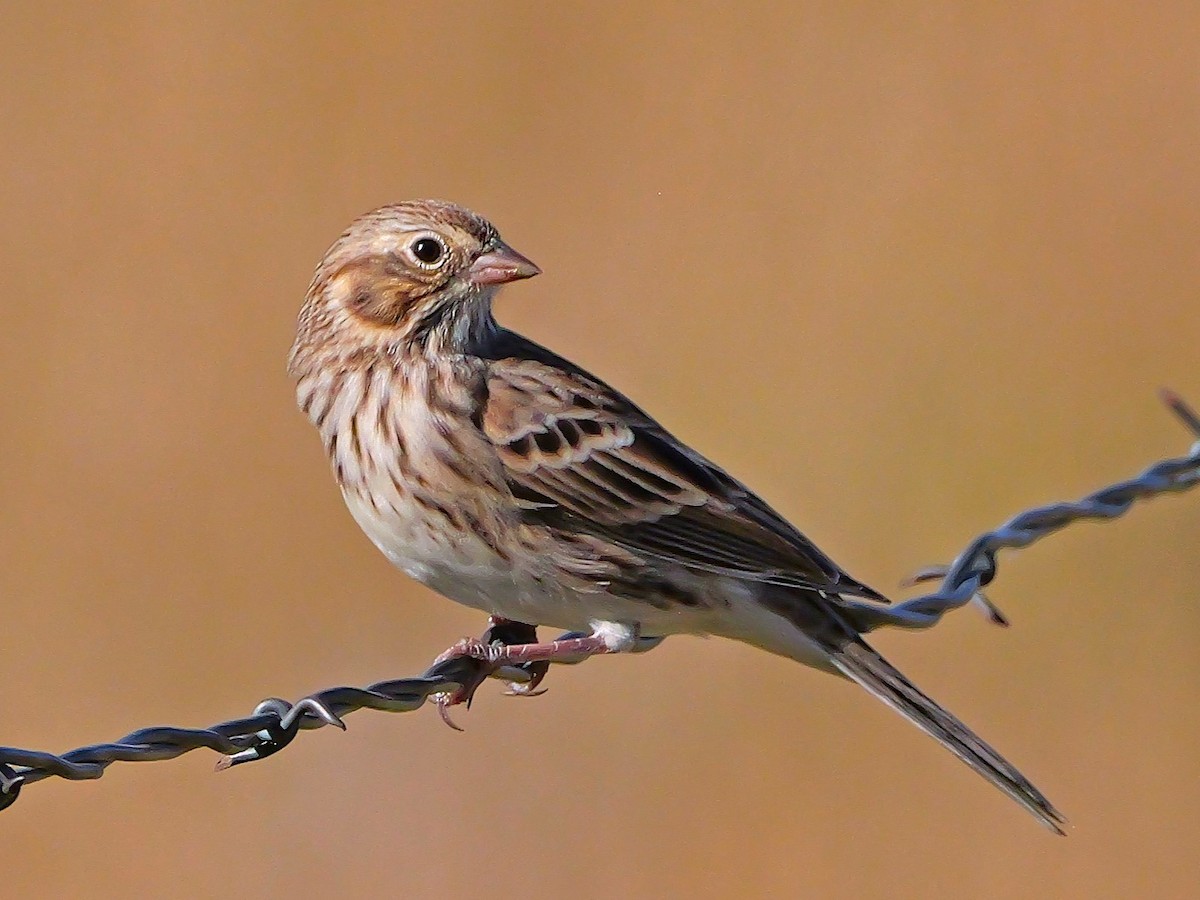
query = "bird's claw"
x=443 y=702
x=488 y=653
x=483 y=655
x=463 y=695
x=536 y=671
x=523 y=690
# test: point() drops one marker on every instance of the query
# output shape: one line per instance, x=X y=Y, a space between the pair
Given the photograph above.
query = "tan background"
x=905 y=269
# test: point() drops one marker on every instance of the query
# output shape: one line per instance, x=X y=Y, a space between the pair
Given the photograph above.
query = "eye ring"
x=429 y=251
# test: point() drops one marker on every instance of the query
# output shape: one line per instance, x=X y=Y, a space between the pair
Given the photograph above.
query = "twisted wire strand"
x=963 y=580
x=275 y=723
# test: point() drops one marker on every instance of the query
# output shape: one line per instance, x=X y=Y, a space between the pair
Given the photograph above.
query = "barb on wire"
x=275 y=723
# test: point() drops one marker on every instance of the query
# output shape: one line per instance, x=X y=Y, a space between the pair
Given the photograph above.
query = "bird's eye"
x=428 y=250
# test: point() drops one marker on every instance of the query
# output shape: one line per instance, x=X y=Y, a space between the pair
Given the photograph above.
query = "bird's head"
x=414 y=276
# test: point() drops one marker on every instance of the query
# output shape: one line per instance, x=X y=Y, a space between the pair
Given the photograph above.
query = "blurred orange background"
x=905 y=269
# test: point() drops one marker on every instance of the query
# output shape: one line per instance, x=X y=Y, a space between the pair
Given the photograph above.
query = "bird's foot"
x=513 y=646
x=487 y=652
x=523 y=680
x=479 y=651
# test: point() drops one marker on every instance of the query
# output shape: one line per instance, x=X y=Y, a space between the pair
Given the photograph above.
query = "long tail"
x=859 y=662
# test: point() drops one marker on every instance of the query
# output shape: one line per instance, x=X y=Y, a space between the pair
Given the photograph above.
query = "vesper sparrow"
x=509 y=479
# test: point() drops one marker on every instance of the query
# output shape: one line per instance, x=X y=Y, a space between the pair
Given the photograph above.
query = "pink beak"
x=500 y=266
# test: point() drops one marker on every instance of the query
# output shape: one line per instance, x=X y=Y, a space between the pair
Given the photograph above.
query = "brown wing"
x=579 y=455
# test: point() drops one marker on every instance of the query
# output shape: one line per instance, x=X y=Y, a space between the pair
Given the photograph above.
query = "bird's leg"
x=495 y=653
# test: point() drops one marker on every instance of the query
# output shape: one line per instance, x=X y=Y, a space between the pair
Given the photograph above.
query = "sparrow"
x=511 y=480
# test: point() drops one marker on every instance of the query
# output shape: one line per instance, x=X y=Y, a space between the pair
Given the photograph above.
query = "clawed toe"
x=536 y=672
x=462 y=695
x=485 y=657
x=516 y=689
x=443 y=702
x=488 y=653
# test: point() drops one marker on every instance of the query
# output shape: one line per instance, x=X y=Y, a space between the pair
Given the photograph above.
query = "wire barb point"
x=1180 y=407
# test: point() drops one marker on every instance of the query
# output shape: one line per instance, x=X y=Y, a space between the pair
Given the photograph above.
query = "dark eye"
x=428 y=250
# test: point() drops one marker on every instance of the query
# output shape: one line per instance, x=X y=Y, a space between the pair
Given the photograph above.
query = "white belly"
x=465 y=569
x=462 y=567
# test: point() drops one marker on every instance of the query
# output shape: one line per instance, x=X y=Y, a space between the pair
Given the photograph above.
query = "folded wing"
x=579 y=455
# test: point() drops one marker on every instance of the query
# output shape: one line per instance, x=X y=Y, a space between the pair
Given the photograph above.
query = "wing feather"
x=580 y=456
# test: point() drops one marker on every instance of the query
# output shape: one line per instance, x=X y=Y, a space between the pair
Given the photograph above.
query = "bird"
x=511 y=480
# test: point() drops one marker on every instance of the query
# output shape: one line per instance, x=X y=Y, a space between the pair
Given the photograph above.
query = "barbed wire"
x=275 y=723
x=963 y=580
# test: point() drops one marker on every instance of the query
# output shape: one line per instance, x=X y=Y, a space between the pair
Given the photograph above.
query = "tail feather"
x=860 y=663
